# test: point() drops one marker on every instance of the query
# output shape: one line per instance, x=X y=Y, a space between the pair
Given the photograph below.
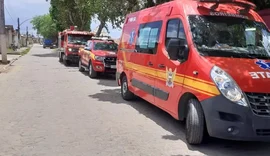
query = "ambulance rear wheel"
x=195 y=123
x=126 y=94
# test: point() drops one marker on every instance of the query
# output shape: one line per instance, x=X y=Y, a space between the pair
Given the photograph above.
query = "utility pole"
x=19 y=34
x=3 y=47
x=26 y=36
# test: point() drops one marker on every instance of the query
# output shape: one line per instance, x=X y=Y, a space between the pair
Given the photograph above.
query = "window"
x=175 y=29
x=78 y=39
x=230 y=37
x=148 y=37
x=90 y=45
x=106 y=46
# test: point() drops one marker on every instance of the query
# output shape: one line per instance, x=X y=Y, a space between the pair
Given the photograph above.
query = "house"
x=10 y=34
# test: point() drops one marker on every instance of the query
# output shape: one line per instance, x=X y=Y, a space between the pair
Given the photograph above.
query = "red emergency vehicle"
x=98 y=56
x=70 y=40
x=203 y=61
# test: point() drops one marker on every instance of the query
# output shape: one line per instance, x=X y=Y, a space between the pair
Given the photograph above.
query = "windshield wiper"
x=256 y=56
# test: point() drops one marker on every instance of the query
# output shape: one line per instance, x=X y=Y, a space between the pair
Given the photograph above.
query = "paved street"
x=47 y=109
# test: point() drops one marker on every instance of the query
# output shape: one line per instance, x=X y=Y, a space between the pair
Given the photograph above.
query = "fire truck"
x=69 y=42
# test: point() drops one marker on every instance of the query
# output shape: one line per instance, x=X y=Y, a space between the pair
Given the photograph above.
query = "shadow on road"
x=51 y=54
x=107 y=80
x=104 y=80
x=213 y=147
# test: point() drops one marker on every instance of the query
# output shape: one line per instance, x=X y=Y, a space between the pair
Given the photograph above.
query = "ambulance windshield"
x=230 y=37
x=78 y=39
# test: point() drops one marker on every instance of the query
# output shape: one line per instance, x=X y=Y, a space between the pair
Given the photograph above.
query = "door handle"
x=161 y=66
x=150 y=64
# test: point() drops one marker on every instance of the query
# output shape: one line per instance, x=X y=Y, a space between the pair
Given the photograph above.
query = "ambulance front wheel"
x=126 y=94
x=195 y=123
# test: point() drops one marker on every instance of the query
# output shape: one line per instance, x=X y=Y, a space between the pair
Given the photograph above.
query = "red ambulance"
x=203 y=61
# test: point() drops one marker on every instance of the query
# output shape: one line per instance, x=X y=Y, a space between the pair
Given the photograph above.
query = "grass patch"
x=9 y=50
x=25 y=51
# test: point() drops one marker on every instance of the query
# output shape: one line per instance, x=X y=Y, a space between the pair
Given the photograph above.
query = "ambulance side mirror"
x=177 y=49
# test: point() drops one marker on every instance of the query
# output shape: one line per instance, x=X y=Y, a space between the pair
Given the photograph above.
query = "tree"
x=261 y=4
x=71 y=12
x=44 y=26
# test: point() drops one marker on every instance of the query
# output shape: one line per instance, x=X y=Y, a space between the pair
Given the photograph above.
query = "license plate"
x=113 y=66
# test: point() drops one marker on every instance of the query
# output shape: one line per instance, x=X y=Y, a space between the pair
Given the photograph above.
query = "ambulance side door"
x=170 y=72
x=144 y=58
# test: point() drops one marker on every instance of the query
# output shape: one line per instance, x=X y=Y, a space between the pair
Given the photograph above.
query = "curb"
x=9 y=64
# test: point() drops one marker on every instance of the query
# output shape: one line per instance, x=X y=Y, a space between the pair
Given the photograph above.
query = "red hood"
x=104 y=53
x=251 y=75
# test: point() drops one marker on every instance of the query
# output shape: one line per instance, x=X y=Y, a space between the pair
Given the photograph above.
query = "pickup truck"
x=98 y=56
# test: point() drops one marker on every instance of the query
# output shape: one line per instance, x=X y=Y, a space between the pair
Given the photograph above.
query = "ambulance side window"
x=148 y=37
x=175 y=29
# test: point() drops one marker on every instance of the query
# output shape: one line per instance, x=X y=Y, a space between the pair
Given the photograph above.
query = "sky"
x=27 y=9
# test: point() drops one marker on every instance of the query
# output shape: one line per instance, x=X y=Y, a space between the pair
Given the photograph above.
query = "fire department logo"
x=263 y=64
x=170 y=76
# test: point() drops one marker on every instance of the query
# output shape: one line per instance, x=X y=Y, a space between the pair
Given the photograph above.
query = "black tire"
x=125 y=93
x=92 y=73
x=195 y=123
x=60 y=57
x=81 y=69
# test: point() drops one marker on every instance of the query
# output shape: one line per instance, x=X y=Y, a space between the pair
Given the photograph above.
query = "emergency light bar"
x=247 y=5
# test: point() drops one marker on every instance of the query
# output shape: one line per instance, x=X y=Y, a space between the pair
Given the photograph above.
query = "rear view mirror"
x=177 y=49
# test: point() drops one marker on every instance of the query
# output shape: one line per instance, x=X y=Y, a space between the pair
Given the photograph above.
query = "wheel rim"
x=124 y=87
x=90 y=69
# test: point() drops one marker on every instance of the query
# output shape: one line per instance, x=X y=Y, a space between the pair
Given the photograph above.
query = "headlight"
x=99 y=58
x=69 y=49
x=228 y=86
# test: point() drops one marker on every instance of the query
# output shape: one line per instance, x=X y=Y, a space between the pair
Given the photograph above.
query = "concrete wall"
x=9 y=37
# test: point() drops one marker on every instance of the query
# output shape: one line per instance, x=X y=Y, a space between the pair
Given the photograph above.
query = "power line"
x=9 y=14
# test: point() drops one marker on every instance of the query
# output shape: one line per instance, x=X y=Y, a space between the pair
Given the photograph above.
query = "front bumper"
x=103 y=67
x=73 y=58
x=227 y=120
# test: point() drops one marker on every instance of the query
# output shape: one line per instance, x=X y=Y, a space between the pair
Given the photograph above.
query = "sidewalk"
x=11 y=56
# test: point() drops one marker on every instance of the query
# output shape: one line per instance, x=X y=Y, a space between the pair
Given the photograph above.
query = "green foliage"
x=25 y=51
x=45 y=26
x=66 y=13
x=80 y=12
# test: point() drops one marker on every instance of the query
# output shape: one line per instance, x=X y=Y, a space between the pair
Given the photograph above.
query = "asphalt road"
x=47 y=109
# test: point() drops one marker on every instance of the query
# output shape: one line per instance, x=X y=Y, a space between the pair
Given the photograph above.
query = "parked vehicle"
x=98 y=56
x=48 y=43
x=70 y=41
x=206 y=62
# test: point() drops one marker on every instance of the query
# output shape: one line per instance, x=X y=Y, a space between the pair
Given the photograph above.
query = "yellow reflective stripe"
x=92 y=56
